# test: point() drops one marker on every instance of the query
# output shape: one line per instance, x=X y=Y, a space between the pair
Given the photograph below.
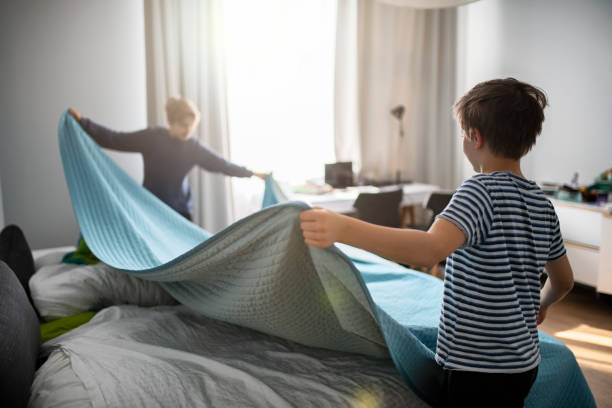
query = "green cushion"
x=60 y=326
x=82 y=255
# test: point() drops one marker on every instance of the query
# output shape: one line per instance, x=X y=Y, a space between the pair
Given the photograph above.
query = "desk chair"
x=382 y=208
x=435 y=203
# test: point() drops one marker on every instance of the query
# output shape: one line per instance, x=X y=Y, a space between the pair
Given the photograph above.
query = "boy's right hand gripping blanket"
x=259 y=273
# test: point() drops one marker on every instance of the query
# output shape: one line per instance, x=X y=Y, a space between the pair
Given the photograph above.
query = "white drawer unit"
x=587 y=234
x=604 y=276
x=579 y=225
x=585 y=263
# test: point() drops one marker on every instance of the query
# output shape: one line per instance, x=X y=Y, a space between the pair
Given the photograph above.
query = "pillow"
x=57 y=385
x=19 y=340
x=49 y=256
x=60 y=290
x=15 y=251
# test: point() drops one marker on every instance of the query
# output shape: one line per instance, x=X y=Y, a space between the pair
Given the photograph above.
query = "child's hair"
x=507 y=113
x=179 y=108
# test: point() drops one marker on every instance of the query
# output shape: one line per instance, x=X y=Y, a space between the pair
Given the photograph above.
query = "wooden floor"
x=583 y=321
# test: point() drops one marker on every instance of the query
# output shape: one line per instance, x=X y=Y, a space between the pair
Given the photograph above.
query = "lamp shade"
x=398 y=111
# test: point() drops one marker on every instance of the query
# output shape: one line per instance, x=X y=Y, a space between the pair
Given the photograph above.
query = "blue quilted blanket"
x=259 y=273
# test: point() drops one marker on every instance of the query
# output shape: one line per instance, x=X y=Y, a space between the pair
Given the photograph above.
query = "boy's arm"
x=560 y=281
x=321 y=228
x=110 y=139
x=212 y=161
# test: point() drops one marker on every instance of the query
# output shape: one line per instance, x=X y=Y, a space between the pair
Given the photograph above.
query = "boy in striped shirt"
x=498 y=234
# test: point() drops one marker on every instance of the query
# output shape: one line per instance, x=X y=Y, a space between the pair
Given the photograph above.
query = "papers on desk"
x=311 y=188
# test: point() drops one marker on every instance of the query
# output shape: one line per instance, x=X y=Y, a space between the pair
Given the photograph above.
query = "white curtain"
x=426 y=4
x=280 y=76
x=185 y=56
x=388 y=56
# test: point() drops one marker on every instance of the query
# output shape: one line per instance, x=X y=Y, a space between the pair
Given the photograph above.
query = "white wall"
x=565 y=48
x=58 y=54
x=1 y=207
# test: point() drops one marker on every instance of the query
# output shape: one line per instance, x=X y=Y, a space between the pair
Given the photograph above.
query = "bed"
x=262 y=319
x=142 y=348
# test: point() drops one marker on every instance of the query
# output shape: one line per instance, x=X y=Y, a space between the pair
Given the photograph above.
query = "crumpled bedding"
x=170 y=356
x=258 y=273
x=63 y=289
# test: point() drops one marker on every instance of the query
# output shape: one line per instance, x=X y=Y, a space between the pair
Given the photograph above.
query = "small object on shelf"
x=570 y=191
x=550 y=188
x=602 y=197
x=588 y=196
x=572 y=185
x=601 y=189
x=565 y=195
x=606 y=175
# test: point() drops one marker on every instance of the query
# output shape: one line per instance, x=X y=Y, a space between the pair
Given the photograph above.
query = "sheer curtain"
x=426 y=4
x=389 y=56
x=185 y=56
x=280 y=59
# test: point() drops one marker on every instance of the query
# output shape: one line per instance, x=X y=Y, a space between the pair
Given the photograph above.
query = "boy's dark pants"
x=474 y=389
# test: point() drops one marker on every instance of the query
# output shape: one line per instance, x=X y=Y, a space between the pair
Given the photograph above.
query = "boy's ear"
x=476 y=137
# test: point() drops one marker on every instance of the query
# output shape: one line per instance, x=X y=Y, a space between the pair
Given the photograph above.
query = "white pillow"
x=57 y=385
x=50 y=256
x=60 y=290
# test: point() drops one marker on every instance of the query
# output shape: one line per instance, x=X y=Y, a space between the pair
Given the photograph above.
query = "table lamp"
x=398 y=113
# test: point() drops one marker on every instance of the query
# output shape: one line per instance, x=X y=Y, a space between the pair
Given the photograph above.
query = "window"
x=280 y=84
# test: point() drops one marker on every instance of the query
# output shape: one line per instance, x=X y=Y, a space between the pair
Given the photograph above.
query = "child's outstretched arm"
x=122 y=141
x=321 y=228
x=560 y=281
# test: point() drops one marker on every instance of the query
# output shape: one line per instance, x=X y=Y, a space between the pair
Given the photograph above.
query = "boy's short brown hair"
x=179 y=108
x=507 y=113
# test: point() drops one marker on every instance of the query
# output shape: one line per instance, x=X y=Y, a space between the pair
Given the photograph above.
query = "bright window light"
x=280 y=65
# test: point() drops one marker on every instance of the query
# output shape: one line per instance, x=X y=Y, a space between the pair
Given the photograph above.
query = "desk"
x=342 y=200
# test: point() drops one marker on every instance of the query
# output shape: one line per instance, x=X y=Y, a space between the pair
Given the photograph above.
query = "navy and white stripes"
x=492 y=283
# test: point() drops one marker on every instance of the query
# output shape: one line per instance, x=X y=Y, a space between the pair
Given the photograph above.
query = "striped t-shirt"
x=492 y=283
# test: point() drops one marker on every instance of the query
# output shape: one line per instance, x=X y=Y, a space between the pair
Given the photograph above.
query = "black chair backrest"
x=15 y=251
x=382 y=208
x=437 y=202
x=19 y=341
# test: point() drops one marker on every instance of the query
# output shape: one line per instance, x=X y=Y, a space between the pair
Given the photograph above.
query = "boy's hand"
x=321 y=227
x=75 y=114
x=541 y=315
x=261 y=175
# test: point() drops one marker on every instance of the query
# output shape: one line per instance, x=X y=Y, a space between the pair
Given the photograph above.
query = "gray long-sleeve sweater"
x=167 y=160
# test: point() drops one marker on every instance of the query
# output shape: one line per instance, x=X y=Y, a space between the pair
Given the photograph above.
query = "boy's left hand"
x=321 y=227
x=75 y=114
x=261 y=175
x=541 y=315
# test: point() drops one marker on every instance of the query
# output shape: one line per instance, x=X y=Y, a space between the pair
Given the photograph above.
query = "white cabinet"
x=587 y=234
x=604 y=275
